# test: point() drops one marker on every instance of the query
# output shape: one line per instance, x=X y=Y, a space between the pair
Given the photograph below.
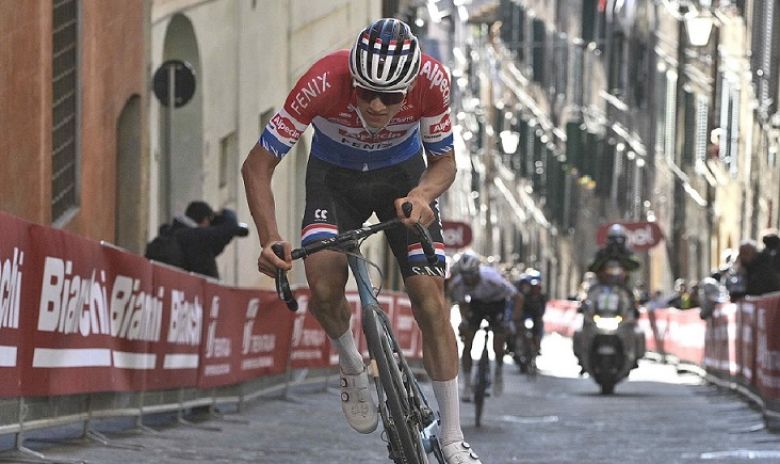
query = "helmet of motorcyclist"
x=385 y=57
x=616 y=235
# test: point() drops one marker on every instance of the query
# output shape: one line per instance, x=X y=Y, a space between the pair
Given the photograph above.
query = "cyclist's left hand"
x=421 y=210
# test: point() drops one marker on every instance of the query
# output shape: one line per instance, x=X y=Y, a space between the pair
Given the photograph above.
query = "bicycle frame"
x=373 y=316
x=410 y=424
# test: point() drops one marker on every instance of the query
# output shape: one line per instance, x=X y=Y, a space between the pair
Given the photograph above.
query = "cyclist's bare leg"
x=468 y=342
x=326 y=273
x=499 y=342
x=440 y=351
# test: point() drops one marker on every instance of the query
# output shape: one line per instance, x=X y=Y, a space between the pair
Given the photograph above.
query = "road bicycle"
x=410 y=425
x=482 y=378
x=525 y=348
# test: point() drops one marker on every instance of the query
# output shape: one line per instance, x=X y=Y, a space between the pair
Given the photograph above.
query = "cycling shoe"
x=357 y=403
x=460 y=452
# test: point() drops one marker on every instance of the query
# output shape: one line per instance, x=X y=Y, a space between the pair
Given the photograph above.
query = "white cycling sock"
x=449 y=409
x=349 y=357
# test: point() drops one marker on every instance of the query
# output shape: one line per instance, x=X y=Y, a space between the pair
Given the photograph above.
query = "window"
x=660 y=111
x=700 y=141
x=64 y=171
x=537 y=50
x=689 y=134
x=729 y=125
x=561 y=53
x=589 y=8
x=227 y=157
x=670 y=123
x=617 y=75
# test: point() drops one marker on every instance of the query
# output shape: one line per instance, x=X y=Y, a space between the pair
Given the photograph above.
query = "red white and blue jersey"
x=325 y=98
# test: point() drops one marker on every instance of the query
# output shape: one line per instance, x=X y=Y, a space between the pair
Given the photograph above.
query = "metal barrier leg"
x=90 y=434
x=22 y=454
x=181 y=420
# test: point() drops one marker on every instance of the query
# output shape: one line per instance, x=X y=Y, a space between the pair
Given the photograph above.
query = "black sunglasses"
x=387 y=98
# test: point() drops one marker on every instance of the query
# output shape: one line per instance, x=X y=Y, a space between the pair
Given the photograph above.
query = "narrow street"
x=658 y=416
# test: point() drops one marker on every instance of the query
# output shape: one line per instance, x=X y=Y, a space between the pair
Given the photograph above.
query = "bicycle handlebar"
x=283 y=284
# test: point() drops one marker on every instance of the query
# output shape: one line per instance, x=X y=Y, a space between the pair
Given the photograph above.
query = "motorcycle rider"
x=616 y=249
x=481 y=292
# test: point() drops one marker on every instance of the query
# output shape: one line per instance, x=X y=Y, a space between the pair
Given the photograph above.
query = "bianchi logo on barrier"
x=90 y=304
x=10 y=294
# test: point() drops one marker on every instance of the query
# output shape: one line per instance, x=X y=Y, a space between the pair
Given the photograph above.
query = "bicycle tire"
x=480 y=389
x=405 y=443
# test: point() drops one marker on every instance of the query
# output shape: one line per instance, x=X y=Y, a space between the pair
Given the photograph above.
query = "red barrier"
x=80 y=317
x=720 y=348
x=310 y=344
x=71 y=316
x=14 y=264
x=768 y=346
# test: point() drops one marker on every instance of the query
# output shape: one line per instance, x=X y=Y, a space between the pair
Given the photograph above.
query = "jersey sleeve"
x=500 y=287
x=435 y=123
x=307 y=99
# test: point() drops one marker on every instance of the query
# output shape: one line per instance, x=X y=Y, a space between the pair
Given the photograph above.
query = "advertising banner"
x=405 y=327
x=222 y=335
x=266 y=335
x=135 y=316
x=720 y=341
x=745 y=344
x=15 y=274
x=768 y=347
x=67 y=320
x=177 y=350
x=686 y=336
x=310 y=343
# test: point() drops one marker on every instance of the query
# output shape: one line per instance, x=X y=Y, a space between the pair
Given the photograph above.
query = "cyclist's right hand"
x=268 y=262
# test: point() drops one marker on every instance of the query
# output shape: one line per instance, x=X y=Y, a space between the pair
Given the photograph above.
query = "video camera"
x=227 y=216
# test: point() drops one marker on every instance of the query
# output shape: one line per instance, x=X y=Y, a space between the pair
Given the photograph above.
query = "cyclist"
x=531 y=304
x=375 y=108
x=481 y=292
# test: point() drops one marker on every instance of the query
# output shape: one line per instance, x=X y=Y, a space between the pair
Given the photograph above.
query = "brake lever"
x=283 y=289
x=425 y=237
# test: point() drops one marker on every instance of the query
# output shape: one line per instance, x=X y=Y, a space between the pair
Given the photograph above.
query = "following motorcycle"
x=609 y=343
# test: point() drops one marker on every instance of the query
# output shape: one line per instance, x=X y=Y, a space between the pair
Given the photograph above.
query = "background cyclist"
x=531 y=303
x=376 y=109
x=481 y=292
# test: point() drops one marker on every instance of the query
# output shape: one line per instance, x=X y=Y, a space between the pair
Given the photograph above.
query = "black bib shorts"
x=340 y=199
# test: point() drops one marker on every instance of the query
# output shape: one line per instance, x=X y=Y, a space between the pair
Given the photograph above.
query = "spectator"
x=200 y=235
x=755 y=268
x=711 y=292
x=683 y=298
x=772 y=248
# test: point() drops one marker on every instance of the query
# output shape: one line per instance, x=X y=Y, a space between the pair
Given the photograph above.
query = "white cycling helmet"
x=385 y=57
x=469 y=264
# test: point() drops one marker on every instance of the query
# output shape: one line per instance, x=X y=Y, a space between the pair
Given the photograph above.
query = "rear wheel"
x=403 y=436
x=481 y=385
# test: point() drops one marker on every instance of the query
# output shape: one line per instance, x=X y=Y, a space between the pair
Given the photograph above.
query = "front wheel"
x=404 y=438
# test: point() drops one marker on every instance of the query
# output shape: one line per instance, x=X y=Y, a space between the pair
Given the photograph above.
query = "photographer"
x=200 y=235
